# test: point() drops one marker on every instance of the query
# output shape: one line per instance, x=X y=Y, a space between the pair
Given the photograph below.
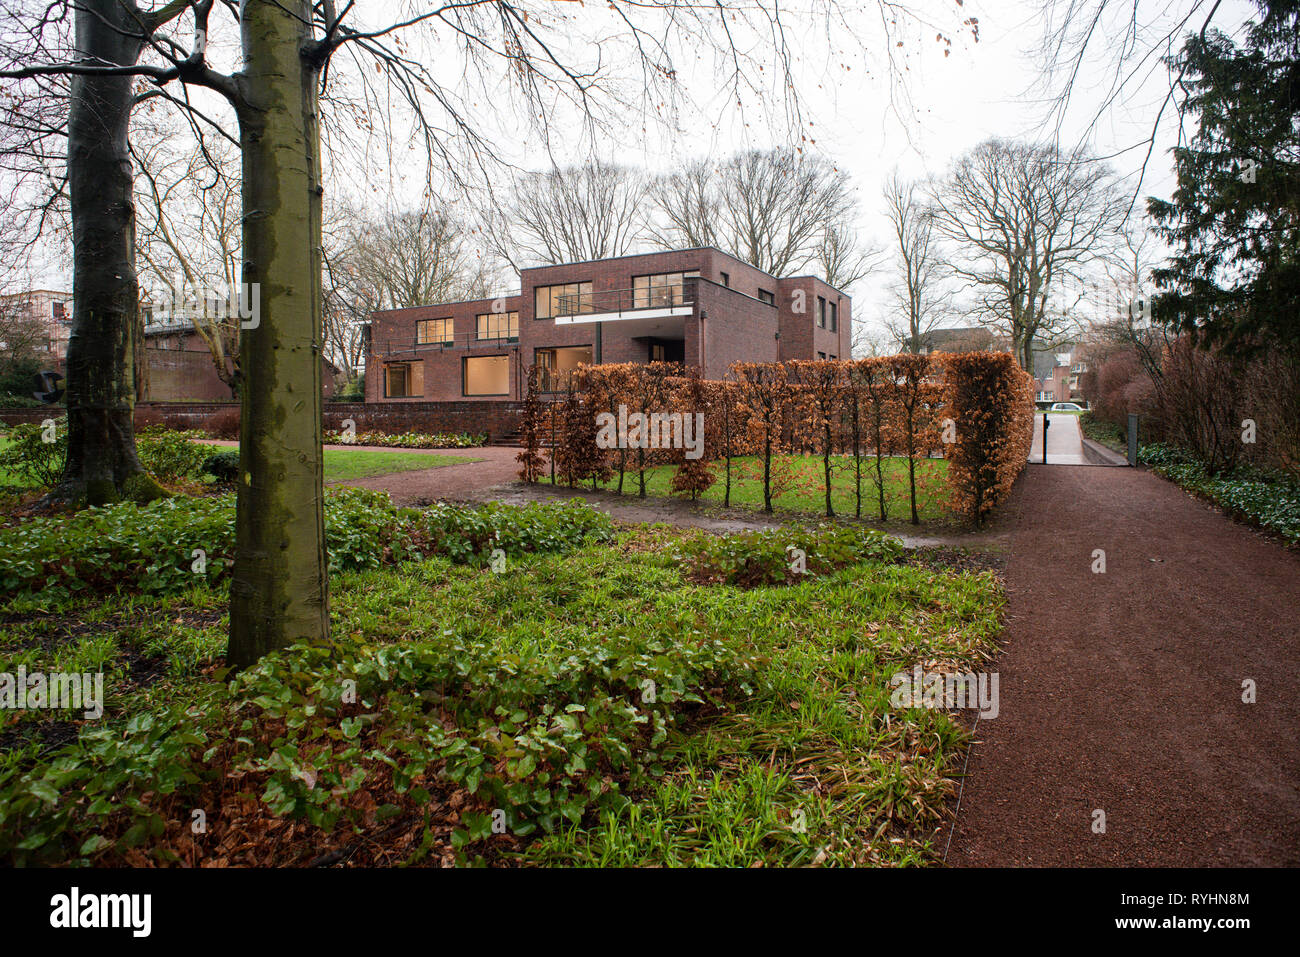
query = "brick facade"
x=732 y=312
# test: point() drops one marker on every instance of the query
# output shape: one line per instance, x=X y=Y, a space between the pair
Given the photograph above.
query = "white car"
x=1067 y=407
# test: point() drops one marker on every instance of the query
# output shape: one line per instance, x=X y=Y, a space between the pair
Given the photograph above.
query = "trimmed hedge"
x=974 y=409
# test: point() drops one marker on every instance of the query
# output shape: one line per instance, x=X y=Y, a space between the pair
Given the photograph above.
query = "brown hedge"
x=866 y=409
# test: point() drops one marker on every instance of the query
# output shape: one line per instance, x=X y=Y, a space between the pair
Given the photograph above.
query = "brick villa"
x=700 y=307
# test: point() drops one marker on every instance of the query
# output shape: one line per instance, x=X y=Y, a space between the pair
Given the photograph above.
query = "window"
x=499 y=325
x=555 y=365
x=487 y=375
x=726 y=279
x=566 y=300
x=58 y=309
x=404 y=380
x=767 y=297
x=835 y=358
x=439 y=331
x=835 y=317
x=822 y=356
x=664 y=289
x=821 y=312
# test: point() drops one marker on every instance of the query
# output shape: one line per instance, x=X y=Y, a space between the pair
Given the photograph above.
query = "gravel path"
x=1122 y=691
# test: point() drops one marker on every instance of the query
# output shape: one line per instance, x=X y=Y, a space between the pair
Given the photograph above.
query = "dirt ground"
x=1122 y=692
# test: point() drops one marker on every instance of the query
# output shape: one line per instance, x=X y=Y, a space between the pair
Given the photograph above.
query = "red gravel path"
x=1123 y=691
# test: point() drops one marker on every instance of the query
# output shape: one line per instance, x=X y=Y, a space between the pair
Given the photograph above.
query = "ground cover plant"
x=408 y=440
x=1267 y=500
x=29 y=462
x=504 y=684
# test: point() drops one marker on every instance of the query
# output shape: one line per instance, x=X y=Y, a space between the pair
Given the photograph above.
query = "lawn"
x=348 y=465
x=341 y=465
x=621 y=710
x=802 y=490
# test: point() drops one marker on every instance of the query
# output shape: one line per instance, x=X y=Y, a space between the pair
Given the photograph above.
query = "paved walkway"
x=1122 y=691
x=1064 y=441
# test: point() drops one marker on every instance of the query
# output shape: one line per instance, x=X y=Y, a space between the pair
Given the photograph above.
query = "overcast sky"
x=854 y=109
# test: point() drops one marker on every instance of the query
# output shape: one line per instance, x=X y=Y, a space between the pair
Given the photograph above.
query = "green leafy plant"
x=32 y=459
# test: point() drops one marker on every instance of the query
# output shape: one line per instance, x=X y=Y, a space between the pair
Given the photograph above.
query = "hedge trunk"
x=280 y=589
x=102 y=464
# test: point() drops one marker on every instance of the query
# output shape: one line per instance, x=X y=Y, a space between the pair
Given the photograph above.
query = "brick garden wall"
x=497 y=419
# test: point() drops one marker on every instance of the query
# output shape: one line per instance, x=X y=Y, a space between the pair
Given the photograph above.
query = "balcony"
x=412 y=346
x=641 y=302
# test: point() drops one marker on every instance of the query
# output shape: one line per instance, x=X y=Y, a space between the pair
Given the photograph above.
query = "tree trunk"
x=102 y=464
x=280 y=591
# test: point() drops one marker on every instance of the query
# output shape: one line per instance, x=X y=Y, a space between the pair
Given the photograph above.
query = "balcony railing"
x=407 y=344
x=627 y=300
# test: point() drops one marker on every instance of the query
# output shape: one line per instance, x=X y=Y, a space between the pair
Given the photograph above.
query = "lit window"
x=566 y=300
x=487 y=375
x=404 y=380
x=555 y=365
x=499 y=325
x=663 y=289
x=430 y=331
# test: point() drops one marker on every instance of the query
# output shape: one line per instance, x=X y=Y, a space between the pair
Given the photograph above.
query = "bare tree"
x=279 y=588
x=917 y=291
x=781 y=210
x=574 y=214
x=1027 y=222
x=189 y=237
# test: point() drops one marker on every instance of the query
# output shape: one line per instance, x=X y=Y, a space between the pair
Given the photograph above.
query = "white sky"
x=984 y=89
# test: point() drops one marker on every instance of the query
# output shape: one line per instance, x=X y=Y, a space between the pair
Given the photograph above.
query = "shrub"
x=1268 y=500
x=408 y=440
x=151 y=548
x=991 y=402
x=33 y=459
x=223 y=466
x=171 y=455
x=769 y=557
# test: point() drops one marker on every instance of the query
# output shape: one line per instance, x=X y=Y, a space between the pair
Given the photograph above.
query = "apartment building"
x=39 y=322
x=700 y=307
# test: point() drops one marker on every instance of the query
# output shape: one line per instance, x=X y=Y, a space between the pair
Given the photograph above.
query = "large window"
x=566 y=300
x=835 y=317
x=487 y=375
x=404 y=380
x=555 y=365
x=498 y=325
x=429 y=331
x=663 y=289
x=821 y=312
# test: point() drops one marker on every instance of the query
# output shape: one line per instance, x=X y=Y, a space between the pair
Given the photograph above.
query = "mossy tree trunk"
x=102 y=465
x=279 y=593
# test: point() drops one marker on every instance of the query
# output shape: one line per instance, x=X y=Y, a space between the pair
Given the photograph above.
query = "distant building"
x=181 y=367
x=699 y=307
x=1059 y=375
x=48 y=313
x=959 y=339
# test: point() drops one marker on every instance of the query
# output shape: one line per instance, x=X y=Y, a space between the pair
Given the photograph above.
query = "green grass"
x=802 y=490
x=347 y=465
x=790 y=755
x=341 y=465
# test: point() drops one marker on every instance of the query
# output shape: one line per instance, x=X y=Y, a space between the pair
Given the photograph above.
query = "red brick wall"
x=497 y=419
